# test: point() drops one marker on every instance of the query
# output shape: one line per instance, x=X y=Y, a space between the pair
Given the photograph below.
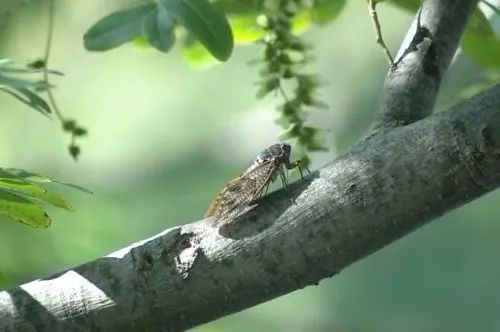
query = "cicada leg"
x=297 y=164
x=283 y=178
x=300 y=169
x=264 y=192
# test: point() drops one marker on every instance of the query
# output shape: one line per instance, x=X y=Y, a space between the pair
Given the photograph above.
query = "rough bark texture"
x=386 y=186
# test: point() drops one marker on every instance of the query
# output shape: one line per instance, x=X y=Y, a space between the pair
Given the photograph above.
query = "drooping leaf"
x=117 y=28
x=33 y=192
x=19 y=82
x=21 y=197
x=29 y=98
x=23 y=210
x=20 y=174
x=158 y=28
x=205 y=22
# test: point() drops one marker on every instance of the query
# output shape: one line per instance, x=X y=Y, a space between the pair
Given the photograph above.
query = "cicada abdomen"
x=238 y=193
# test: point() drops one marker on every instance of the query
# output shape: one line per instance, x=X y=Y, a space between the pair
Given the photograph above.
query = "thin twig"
x=491 y=6
x=48 y=47
x=378 y=33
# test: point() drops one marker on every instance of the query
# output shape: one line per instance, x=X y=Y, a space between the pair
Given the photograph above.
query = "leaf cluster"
x=13 y=81
x=156 y=23
x=284 y=57
x=22 y=196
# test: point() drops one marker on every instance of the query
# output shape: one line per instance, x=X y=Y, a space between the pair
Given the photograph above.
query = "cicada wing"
x=235 y=196
x=260 y=176
x=230 y=189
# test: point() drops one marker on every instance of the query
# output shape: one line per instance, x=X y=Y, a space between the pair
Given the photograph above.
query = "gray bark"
x=411 y=88
x=386 y=186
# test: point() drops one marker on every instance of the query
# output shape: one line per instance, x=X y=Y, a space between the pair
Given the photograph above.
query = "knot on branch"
x=476 y=150
x=186 y=252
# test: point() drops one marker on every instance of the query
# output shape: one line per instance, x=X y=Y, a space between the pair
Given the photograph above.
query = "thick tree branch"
x=381 y=190
x=411 y=87
x=385 y=187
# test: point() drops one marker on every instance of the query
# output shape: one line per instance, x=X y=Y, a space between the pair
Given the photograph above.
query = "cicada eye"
x=286 y=147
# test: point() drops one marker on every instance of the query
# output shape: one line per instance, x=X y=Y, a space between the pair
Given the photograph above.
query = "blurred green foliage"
x=156 y=22
x=165 y=137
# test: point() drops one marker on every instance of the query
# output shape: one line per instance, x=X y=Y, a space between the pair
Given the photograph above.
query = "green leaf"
x=20 y=174
x=245 y=29
x=205 y=22
x=480 y=42
x=325 y=11
x=29 y=98
x=20 y=83
x=117 y=28
x=484 y=50
x=21 y=196
x=4 y=281
x=196 y=55
x=33 y=192
x=233 y=7
x=23 y=210
x=158 y=27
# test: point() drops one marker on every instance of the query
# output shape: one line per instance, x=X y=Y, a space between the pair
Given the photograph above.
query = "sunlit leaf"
x=23 y=210
x=117 y=28
x=21 y=197
x=33 y=192
x=20 y=174
x=205 y=22
x=245 y=29
x=196 y=55
x=301 y=22
x=141 y=42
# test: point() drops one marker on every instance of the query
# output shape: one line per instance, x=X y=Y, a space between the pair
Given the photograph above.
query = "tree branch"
x=381 y=190
x=411 y=87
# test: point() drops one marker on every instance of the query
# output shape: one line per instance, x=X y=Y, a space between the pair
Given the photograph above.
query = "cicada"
x=238 y=193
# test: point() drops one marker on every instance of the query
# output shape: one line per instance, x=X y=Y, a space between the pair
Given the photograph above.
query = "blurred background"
x=164 y=136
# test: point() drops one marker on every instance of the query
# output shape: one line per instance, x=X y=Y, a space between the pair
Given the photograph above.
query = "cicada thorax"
x=238 y=193
x=279 y=153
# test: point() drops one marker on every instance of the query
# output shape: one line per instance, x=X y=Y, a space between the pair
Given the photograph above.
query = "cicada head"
x=279 y=153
